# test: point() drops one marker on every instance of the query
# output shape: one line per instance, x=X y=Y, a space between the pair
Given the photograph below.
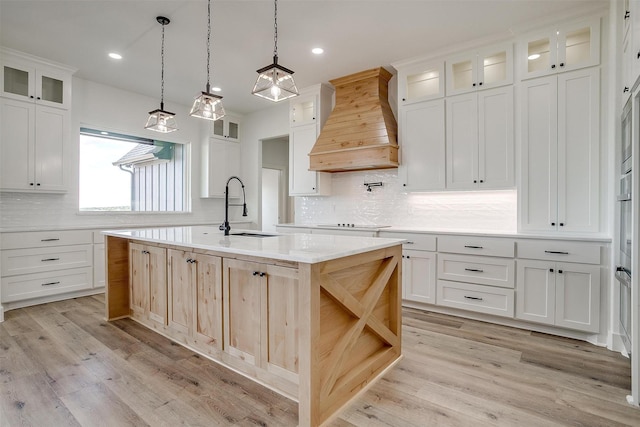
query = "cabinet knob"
x=404 y=185
x=553 y=65
x=480 y=84
x=404 y=99
x=313 y=118
x=255 y=273
x=562 y=64
x=475 y=181
x=638 y=56
x=313 y=188
x=553 y=223
x=38 y=98
x=482 y=180
x=551 y=270
x=626 y=89
x=474 y=85
x=31 y=183
x=560 y=271
x=561 y=224
x=262 y=274
x=38 y=184
x=626 y=14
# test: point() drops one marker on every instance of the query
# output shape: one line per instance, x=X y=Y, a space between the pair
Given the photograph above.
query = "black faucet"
x=225 y=225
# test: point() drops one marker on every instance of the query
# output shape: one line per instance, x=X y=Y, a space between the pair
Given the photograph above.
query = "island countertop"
x=305 y=248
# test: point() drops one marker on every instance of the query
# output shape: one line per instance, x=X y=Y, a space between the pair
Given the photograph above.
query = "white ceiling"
x=355 y=34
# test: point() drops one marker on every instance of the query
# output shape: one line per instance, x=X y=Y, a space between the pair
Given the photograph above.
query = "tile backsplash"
x=390 y=204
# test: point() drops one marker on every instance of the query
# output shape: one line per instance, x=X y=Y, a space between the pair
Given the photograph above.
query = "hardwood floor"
x=62 y=365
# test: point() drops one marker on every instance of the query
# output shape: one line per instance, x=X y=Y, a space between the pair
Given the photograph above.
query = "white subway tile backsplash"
x=390 y=204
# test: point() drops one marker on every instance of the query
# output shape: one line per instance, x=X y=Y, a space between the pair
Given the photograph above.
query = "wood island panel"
x=321 y=332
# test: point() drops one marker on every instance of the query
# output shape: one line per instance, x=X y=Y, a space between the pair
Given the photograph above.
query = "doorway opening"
x=276 y=205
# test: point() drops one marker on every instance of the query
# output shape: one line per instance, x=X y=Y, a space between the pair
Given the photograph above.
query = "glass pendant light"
x=207 y=105
x=275 y=82
x=160 y=120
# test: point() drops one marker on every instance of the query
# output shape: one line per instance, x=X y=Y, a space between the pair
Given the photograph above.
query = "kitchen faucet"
x=225 y=225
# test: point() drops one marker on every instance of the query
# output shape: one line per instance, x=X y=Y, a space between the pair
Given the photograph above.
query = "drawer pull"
x=50 y=283
x=409 y=242
x=50 y=259
x=473 y=247
x=145 y=252
x=473 y=298
x=556 y=252
x=49 y=240
x=475 y=270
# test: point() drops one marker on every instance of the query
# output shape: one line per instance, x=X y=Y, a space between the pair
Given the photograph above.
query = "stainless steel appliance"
x=623 y=270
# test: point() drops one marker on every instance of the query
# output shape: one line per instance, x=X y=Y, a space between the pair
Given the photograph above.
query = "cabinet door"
x=243 y=310
x=634 y=35
x=18 y=81
x=538 y=54
x=53 y=88
x=495 y=134
x=208 y=301
x=227 y=127
x=139 y=280
x=538 y=190
x=536 y=291
x=578 y=296
x=579 y=45
x=422 y=146
x=180 y=288
x=280 y=348
x=51 y=133
x=462 y=74
x=157 y=284
x=99 y=270
x=302 y=181
x=220 y=160
x=462 y=141
x=420 y=82
x=17 y=145
x=578 y=150
x=419 y=276
x=302 y=110
x=495 y=66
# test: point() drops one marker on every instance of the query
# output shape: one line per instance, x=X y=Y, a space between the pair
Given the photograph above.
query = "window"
x=129 y=174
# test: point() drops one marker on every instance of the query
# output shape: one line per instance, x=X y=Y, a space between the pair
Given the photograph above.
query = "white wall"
x=107 y=108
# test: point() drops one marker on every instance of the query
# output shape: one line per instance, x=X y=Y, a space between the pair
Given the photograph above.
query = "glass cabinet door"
x=577 y=46
x=302 y=110
x=44 y=86
x=541 y=53
x=16 y=81
x=51 y=89
x=421 y=82
x=463 y=76
x=227 y=127
x=495 y=66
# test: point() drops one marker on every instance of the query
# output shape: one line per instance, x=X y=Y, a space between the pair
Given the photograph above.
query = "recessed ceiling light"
x=317 y=50
x=104 y=133
x=534 y=56
x=216 y=89
x=114 y=55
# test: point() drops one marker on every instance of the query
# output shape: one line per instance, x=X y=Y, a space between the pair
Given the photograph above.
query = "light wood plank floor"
x=62 y=365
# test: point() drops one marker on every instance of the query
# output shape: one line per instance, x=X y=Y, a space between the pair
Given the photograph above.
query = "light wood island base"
x=316 y=332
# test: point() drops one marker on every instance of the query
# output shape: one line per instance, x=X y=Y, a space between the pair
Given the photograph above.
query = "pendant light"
x=275 y=82
x=207 y=105
x=161 y=120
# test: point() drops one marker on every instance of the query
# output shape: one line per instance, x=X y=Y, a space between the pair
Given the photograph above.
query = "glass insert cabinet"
x=483 y=69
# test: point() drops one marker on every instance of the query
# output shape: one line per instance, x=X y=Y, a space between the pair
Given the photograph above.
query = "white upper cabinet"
x=559 y=185
x=307 y=114
x=422 y=146
x=558 y=49
x=26 y=79
x=480 y=140
x=420 y=82
x=483 y=69
x=227 y=127
x=302 y=110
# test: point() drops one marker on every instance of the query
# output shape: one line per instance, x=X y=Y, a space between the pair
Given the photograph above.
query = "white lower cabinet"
x=419 y=276
x=559 y=294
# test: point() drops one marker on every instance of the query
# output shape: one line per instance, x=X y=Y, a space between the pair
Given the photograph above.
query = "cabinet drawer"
x=40 y=239
x=483 y=299
x=557 y=250
x=477 y=246
x=418 y=242
x=36 y=285
x=477 y=269
x=24 y=261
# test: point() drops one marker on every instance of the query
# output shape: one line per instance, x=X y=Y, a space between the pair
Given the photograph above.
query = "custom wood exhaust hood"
x=361 y=131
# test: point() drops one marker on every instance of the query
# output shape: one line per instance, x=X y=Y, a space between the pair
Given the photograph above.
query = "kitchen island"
x=316 y=318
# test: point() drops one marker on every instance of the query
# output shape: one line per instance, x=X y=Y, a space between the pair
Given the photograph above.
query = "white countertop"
x=595 y=237
x=306 y=248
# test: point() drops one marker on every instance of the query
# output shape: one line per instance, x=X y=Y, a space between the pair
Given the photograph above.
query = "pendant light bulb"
x=207 y=105
x=160 y=120
x=275 y=82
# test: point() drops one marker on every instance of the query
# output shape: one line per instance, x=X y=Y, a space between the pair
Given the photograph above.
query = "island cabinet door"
x=181 y=288
x=208 y=302
x=243 y=309
x=148 y=283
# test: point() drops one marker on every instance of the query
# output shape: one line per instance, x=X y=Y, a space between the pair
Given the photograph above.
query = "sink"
x=245 y=234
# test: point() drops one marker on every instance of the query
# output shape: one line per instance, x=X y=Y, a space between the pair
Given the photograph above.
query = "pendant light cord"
x=162 y=71
x=208 y=43
x=275 y=28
